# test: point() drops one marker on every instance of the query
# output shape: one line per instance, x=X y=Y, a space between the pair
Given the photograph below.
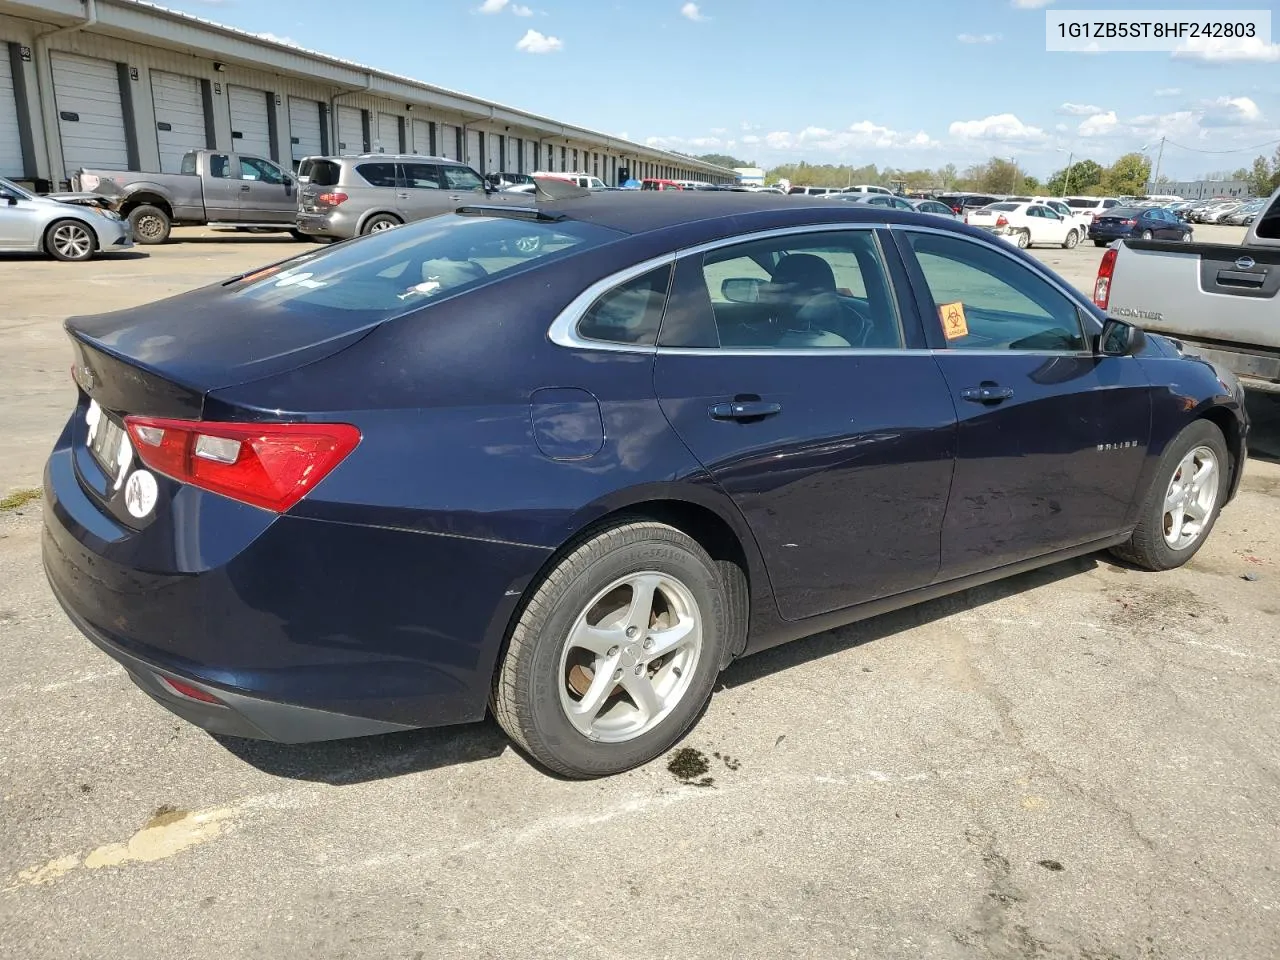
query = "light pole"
x=1013 y=185
x=1066 y=177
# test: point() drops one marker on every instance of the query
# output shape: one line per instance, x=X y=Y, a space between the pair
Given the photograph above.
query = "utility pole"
x=1066 y=179
x=1013 y=188
x=1159 y=156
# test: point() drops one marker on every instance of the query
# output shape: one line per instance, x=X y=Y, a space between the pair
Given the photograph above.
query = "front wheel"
x=1023 y=239
x=1183 y=502
x=69 y=240
x=616 y=652
x=1072 y=239
x=1186 y=237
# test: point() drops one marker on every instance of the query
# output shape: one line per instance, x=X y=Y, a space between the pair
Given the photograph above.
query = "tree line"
x=1129 y=175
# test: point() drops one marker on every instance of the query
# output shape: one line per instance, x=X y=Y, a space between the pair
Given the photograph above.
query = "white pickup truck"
x=1221 y=301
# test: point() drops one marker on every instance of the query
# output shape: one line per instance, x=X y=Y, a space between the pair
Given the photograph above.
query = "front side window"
x=254 y=168
x=378 y=174
x=629 y=313
x=803 y=291
x=985 y=300
x=462 y=178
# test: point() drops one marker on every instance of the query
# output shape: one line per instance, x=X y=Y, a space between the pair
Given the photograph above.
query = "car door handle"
x=245 y=188
x=402 y=196
x=457 y=199
x=986 y=393
x=744 y=410
x=1238 y=278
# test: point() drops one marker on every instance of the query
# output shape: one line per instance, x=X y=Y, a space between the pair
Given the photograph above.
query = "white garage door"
x=10 y=142
x=388 y=139
x=250 y=129
x=179 y=117
x=350 y=132
x=493 y=147
x=447 y=141
x=304 y=128
x=90 y=119
x=421 y=137
x=529 y=165
x=473 y=157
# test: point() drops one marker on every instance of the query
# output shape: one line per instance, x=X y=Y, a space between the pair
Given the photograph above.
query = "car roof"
x=716 y=212
x=392 y=156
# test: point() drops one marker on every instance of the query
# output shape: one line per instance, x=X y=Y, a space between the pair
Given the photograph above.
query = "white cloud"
x=522 y=11
x=690 y=11
x=1098 y=125
x=535 y=42
x=492 y=6
x=1061 y=127
x=718 y=130
x=1031 y=4
x=1000 y=128
x=1079 y=109
x=1230 y=112
x=980 y=37
x=1223 y=50
x=1168 y=91
x=863 y=135
x=751 y=138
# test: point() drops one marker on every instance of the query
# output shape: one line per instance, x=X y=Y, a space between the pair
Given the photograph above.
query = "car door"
x=221 y=186
x=266 y=192
x=20 y=221
x=1054 y=227
x=462 y=184
x=421 y=192
x=1051 y=437
x=787 y=367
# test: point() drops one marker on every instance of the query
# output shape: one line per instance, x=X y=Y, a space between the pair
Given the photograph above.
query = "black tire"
x=302 y=237
x=1072 y=239
x=1099 y=243
x=1146 y=234
x=527 y=684
x=71 y=241
x=1147 y=547
x=150 y=224
x=1024 y=239
x=378 y=222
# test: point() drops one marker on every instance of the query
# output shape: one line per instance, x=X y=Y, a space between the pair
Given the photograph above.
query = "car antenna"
x=553 y=188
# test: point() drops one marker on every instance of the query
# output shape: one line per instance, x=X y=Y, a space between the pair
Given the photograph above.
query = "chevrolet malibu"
x=441 y=470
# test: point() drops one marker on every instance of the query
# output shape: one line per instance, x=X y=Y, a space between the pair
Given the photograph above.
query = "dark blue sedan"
x=1137 y=223
x=567 y=459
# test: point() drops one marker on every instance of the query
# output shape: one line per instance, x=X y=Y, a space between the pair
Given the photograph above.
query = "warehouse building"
x=122 y=84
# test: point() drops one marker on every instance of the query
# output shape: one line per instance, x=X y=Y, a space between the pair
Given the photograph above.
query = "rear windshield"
x=1082 y=203
x=396 y=271
x=1125 y=212
x=325 y=173
x=1007 y=207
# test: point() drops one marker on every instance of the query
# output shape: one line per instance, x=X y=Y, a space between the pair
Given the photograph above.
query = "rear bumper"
x=333 y=224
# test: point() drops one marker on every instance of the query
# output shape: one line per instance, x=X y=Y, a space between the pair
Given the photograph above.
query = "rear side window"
x=630 y=313
x=378 y=174
x=188 y=164
x=325 y=173
x=397 y=271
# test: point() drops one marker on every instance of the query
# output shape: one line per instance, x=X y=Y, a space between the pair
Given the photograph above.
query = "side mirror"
x=741 y=289
x=10 y=198
x=1120 y=339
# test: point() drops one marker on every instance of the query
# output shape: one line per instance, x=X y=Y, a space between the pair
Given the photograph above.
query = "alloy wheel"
x=630 y=657
x=1191 y=497
x=72 y=241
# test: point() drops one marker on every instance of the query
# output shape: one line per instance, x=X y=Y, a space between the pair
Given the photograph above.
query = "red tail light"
x=331 y=199
x=1130 y=223
x=268 y=465
x=187 y=690
x=957 y=210
x=1102 y=287
x=1095 y=219
x=1002 y=221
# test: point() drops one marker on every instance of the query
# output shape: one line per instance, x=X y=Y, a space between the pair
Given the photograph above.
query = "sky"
x=911 y=84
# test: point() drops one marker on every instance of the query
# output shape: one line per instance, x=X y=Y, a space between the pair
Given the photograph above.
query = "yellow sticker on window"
x=954 y=325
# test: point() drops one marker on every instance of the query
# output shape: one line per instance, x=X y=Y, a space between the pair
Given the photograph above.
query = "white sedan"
x=1026 y=224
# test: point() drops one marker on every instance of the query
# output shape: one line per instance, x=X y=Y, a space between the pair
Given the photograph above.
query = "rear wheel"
x=1146 y=234
x=376 y=224
x=616 y=651
x=1072 y=239
x=1023 y=239
x=1183 y=502
x=69 y=240
x=150 y=224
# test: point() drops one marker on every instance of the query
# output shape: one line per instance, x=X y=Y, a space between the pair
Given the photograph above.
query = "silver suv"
x=348 y=196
